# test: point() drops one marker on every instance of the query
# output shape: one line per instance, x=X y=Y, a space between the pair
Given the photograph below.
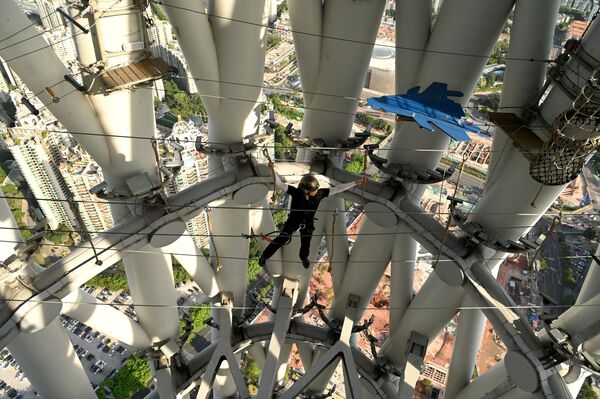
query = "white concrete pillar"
x=150 y=279
x=438 y=301
x=114 y=323
x=51 y=364
x=591 y=284
x=466 y=348
x=195 y=263
x=413 y=27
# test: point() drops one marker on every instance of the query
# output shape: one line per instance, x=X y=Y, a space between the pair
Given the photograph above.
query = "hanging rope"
x=212 y=241
x=266 y=154
x=86 y=233
x=163 y=187
x=466 y=156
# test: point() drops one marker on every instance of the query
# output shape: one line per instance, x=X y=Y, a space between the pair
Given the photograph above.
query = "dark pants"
x=289 y=227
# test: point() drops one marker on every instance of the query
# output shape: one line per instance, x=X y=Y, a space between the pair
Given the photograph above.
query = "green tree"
x=252 y=373
x=273 y=41
x=575 y=13
x=114 y=281
x=60 y=236
x=279 y=218
x=592 y=233
x=587 y=392
x=281 y=8
x=264 y=291
x=543 y=265
x=254 y=269
x=569 y=275
x=179 y=273
x=356 y=164
x=160 y=14
x=377 y=123
x=130 y=378
x=181 y=103
x=198 y=316
x=284 y=146
x=499 y=53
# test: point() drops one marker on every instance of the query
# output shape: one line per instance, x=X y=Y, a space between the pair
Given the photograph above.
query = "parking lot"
x=100 y=356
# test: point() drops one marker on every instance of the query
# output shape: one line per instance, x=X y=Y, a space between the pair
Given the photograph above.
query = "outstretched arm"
x=346 y=186
x=278 y=183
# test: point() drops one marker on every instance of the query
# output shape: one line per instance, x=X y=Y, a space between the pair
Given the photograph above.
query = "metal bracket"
x=341 y=349
x=322 y=147
x=241 y=149
x=283 y=317
x=223 y=352
x=571 y=347
x=416 y=348
x=384 y=365
x=476 y=235
x=408 y=173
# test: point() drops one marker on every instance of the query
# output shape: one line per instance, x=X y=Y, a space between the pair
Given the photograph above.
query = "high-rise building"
x=582 y=5
x=160 y=33
x=43 y=177
x=47 y=10
x=63 y=45
x=175 y=58
x=95 y=213
x=194 y=170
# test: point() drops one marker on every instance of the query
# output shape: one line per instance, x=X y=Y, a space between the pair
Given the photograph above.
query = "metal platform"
x=134 y=73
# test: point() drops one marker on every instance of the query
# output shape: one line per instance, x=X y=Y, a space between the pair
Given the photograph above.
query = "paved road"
x=550 y=282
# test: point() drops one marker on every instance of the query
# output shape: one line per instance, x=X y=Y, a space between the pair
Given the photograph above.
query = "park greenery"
x=130 y=379
x=114 y=278
x=587 y=392
x=182 y=103
x=356 y=163
x=61 y=235
x=12 y=194
x=499 y=53
x=198 y=317
x=254 y=269
x=284 y=110
x=160 y=14
x=281 y=8
x=592 y=233
x=284 y=146
x=252 y=373
x=376 y=123
x=273 y=41
x=543 y=265
x=573 y=12
x=264 y=291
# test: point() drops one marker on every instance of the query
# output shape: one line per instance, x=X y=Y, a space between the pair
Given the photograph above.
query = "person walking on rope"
x=305 y=201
